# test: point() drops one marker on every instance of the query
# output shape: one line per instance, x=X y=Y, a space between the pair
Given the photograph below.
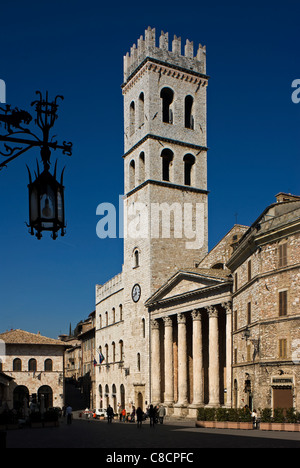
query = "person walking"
x=69 y=414
x=110 y=414
x=123 y=415
x=161 y=414
x=139 y=417
x=152 y=416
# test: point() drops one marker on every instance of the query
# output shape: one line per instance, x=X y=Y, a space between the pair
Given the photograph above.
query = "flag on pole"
x=101 y=358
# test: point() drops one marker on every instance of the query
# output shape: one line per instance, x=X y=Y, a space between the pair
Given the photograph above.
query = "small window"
x=188 y=109
x=189 y=161
x=113 y=315
x=132 y=119
x=141 y=110
x=235 y=320
x=283 y=303
x=48 y=365
x=249 y=271
x=283 y=349
x=167 y=158
x=113 y=351
x=142 y=167
x=249 y=313
x=282 y=253
x=144 y=328
x=121 y=350
x=236 y=282
x=131 y=175
x=139 y=362
x=121 y=312
x=136 y=259
x=32 y=365
x=17 y=365
x=167 y=96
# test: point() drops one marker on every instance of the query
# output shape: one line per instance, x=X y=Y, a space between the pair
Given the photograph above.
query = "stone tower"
x=165 y=168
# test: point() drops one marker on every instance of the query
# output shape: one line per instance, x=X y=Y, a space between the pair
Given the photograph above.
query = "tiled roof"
x=24 y=337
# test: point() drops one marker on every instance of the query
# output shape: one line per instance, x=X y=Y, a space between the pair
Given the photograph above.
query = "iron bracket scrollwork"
x=17 y=137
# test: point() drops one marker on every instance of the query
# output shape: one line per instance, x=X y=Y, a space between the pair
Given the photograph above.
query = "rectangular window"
x=283 y=349
x=283 y=303
x=235 y=355
x=235 y=324
x=249 y=270
x=249 y=313
x=282 y=254
x=236 y=281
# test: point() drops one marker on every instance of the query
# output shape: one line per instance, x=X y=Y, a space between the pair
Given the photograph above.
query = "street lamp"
x=46 y=194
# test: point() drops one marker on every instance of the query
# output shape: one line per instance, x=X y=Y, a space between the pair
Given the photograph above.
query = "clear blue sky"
x=76 y=48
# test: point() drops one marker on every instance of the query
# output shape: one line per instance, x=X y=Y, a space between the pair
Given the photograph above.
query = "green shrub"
x=266 y=415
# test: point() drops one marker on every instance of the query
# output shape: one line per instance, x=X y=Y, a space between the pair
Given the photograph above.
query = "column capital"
x=181 y=318
x=196 y=315
x=168 y=321
x=212 y=311
x=154 y=324
x=228 y=307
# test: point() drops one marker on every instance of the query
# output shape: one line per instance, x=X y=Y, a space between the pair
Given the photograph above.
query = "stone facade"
x=36 y=365
x=182 y=326
x=266 y=315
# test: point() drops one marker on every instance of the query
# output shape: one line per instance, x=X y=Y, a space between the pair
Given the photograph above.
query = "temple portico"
x=191 y=353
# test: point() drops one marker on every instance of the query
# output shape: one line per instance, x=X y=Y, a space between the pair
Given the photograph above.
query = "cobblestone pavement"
x=173 y=435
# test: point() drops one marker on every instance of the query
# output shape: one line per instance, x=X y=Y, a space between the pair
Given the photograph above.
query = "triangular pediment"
x=185 y=282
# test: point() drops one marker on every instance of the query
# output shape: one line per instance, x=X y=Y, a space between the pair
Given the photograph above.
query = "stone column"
x=182 y=361
x=197 y=359
x=155 y=363
x=214 y=365
x=228 y=307
x=169 y=368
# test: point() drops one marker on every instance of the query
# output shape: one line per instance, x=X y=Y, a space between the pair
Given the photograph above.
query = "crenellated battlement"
x=146 y=47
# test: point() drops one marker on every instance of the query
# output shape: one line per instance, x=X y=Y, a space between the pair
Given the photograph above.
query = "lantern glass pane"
x=34 y=208
x=60 y=207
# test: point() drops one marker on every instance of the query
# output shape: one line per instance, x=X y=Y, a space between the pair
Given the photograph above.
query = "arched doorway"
x=140 y=401
x=114 y=398
x=45 y=397
x=20 y=397
x=122 y=392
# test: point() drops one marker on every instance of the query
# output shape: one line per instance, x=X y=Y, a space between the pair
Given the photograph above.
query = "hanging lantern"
x=46 y=204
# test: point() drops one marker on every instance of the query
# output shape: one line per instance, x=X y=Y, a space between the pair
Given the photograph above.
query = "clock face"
x=136 y=293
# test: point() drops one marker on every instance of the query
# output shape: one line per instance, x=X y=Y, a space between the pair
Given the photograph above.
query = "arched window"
x=106 y=353
x=101 y=396
x=100 y=321
x=144 y=328
x=189 y=161
x=141 y=115
x=131 y=175
x=136 y=258
x=17 y=365
x=48 y=365
x=32 y=365
x=113 y=315
x=121 y=311
x=132 y=119
x=121 y=350
x=142 y=167
x=139 y=362
x=167 y=158
x=113 y=351
x=167 y=96
x=188 y=112
x=106 y=319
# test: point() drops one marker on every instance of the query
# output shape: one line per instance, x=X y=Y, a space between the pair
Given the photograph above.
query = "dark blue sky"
x=76 y=48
